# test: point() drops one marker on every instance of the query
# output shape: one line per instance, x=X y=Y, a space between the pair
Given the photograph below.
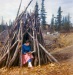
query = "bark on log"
x=38 y=51
x=5 y=55
x=7 y=62
x=48 y=53
x=44 y=50
x=14 y=56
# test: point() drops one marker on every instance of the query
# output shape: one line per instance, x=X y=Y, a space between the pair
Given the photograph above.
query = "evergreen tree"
x=6 y=26
x=56 y=26
x=43 y=14
x=63 y=21
x=36 y=10
x=67 y=23
x=59 y=18
x=52 y=23
x=36 y=15
x=10 y=23
x=2 y=24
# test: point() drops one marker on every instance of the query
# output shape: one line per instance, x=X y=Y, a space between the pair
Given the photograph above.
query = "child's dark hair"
x=27 y=41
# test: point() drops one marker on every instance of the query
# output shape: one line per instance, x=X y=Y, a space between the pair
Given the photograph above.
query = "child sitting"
x=26 y=54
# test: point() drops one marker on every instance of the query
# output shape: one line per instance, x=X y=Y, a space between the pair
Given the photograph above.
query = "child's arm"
x=30 y=51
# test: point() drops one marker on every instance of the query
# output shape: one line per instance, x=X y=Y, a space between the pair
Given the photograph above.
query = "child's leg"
x=29 y=63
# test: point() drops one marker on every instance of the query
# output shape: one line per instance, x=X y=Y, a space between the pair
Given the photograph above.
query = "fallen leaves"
x=49 y=69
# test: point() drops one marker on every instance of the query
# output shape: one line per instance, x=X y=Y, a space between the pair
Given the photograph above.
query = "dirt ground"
x=63 y=55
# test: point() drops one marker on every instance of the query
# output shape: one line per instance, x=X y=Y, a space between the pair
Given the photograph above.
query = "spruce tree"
x=67 y=23
x=56 y=26
x=59 y=18
x=52 y=23
x=36 y=10
x=10 y=22
x=63 y=21
x=2 y=24
x=36 y=15
x=43 y=14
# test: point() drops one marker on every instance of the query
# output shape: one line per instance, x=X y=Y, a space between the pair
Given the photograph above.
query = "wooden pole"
x=14 y=56
x=44 y=50
x=34 y=43
x=48 y=53
x=8 y=54
x=38 y=50
x=33 y=25
x=16 y=51
x=19 y=9
x=34 y=46
x=21 y=43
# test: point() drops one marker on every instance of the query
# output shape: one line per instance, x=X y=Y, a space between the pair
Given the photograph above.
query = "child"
x=26 y=54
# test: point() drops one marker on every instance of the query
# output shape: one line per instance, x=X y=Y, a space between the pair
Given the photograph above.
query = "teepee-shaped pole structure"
x=27 y=26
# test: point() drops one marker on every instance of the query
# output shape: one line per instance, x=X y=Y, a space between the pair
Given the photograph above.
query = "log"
x=38 y=51
x=21 y=35
x=14 y=35
x=48 y=53
x=4 y=50
x=25 y=32
x=16 y=51
x=5 y=55
x=5 y=44
x=14 y=56
x=49 y=59
x=34 y=43
x=45 y=50
x=14 y=44
x=3 y=58
x=7 y=62
x=25 y=9
x=19 y=9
